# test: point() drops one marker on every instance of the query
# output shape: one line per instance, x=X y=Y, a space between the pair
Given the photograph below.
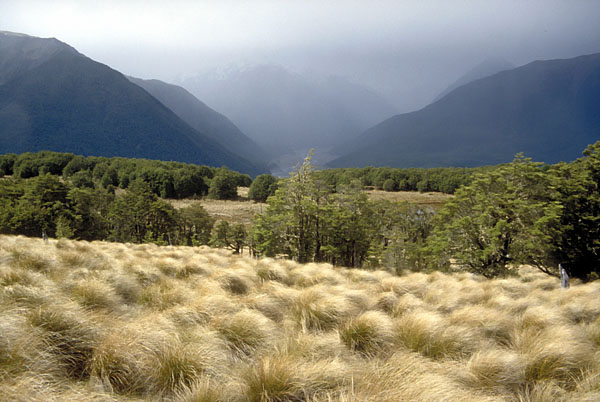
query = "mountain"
x=484 y=69
x=546 y=109
x=285 y=112
x=54 y=98
x=204 y=119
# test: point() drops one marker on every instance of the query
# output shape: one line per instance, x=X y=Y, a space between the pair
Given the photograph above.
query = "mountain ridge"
x=544 y=109
x=204 y=119
x=64 y=101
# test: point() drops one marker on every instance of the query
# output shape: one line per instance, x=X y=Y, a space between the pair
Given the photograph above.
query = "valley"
x=300 y=201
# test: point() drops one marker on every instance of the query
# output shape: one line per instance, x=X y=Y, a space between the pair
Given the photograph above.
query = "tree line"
x=523 y=212
x=166 y=179
x=307 y=221
x=443 y=180
x=518 y=213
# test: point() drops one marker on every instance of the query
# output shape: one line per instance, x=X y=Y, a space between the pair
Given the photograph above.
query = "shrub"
x=389 y=185
x=262 y=187
x=223 y=187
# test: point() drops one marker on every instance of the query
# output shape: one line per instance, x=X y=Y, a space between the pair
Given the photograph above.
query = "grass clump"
x=368 y=334
x=314 y=309
x=68 y=335
x=427 y=333
x=94 y=293
x=279 y=378
x=245 y=331
x=173 y=366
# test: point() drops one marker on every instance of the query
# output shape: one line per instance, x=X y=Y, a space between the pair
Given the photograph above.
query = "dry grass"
x=102 y=321
x=242 y=210
x=433 y=200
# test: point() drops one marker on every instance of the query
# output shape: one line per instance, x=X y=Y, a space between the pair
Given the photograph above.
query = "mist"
x=407 y=51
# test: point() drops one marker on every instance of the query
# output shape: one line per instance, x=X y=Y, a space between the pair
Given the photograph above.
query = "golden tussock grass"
x=119 y=322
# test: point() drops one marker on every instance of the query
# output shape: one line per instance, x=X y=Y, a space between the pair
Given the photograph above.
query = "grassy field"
x=243 y=209
x=434 y=200
x=119 y=322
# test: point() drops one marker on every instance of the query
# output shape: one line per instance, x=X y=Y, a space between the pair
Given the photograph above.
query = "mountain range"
x=205 y=120
x=54 y=98
x=549 y=110
x=284 y=111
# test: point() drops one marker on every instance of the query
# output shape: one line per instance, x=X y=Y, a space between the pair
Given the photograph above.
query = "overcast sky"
x=407 y=50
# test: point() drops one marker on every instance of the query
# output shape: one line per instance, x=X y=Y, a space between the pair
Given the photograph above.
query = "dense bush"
x=445 y=180
x=223 y=187
x=166 y=179
x=262 y=187
x=45 y=204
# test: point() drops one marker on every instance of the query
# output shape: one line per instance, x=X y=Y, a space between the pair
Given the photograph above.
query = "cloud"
x=409 y=48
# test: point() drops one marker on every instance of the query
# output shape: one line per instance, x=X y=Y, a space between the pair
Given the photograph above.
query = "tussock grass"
x=119 y=322
x=246 y=331
x=315 y=309
x=368 y=334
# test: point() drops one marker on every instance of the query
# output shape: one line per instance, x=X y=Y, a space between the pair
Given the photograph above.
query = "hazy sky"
x=407 y=50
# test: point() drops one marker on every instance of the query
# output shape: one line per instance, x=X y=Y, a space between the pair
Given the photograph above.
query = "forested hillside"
x=54 y=98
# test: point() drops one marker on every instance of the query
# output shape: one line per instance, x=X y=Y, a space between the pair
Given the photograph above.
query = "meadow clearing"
x=242 y=210
x=99 y=321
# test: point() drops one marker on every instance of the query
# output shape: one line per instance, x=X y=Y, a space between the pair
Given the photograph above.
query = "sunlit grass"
x=106 y=321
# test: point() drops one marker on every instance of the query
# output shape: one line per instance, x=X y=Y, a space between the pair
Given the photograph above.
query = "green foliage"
x=306 y=221
x=504 y=217
x=389 y=185
x=402 y=232
x=140 y=216
x=229 y=236
x=31 y=164
x=445 y=180
x=262 y=187
x=578 y=242
x=195 y=225
x=166 y=179
x=82 y=179
x=223 y=187
x=7 y=162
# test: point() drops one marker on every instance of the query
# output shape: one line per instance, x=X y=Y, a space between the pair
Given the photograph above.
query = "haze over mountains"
x=489 y=66
x=549 y=110
x=204 y=119
x=285 y=112
x=54 y=98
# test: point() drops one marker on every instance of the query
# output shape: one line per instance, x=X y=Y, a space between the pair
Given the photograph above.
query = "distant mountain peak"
x=487 y=67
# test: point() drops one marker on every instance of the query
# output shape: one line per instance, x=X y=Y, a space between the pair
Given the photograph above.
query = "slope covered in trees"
x=66 y=102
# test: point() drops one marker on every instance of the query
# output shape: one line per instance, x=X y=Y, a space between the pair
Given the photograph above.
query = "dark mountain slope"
x=484 y=69
x=204 y=119
x=69 y=103
x=547 y=109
